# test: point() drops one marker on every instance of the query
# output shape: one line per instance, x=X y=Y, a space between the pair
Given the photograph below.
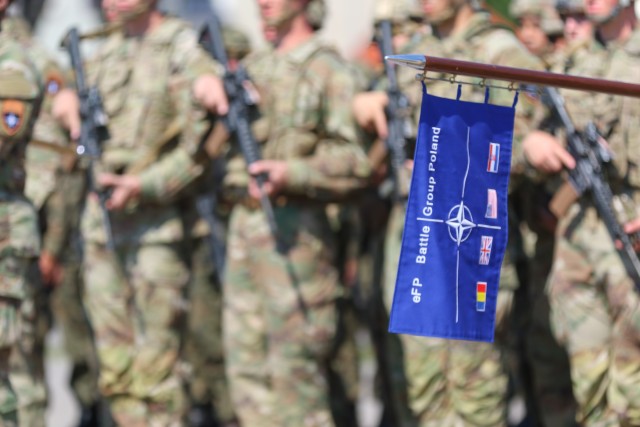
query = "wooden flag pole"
x=515 y=75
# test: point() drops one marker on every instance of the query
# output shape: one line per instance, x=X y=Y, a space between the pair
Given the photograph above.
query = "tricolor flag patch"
x=494 y=157
x=481 y=296
x=485 y=250
x=492 y=204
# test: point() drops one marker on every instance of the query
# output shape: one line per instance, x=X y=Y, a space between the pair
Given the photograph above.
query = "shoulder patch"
x=53 y=83
x=12 y=111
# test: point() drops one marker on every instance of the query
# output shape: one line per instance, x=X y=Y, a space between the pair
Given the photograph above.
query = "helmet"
x=566 y=7
x=397 y=11
x=550 y=21
x=316 y=11
x=236 y=43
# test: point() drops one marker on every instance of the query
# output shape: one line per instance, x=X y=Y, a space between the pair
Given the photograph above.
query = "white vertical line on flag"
x=457 y=277
x=466 y=174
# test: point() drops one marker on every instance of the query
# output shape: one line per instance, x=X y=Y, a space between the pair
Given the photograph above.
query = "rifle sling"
x=171 y=132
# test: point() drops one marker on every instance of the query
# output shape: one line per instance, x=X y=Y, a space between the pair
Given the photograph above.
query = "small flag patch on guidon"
x=494 y=157
x=481 y=296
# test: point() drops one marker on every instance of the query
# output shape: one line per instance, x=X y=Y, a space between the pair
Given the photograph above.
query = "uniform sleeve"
x=55 y=237
x=339 y=166
x=190 y=59
x=165 y=179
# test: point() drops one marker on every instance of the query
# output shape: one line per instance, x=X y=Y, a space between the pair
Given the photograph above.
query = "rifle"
x=237 y=121
x=206 y=206
x=241 y=104
x=93 y=133
x=588 y=177
x=94 y=129
x=396 y=110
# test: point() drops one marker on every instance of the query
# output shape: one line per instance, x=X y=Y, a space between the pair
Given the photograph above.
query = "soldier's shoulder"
x=174 y=30
x=501 y=46
x=14 y=61
x=323 y=58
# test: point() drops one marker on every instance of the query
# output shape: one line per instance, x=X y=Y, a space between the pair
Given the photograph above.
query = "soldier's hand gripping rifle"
x=241 y=103
x=397 y=109
x=588 y=177
x=93 y=131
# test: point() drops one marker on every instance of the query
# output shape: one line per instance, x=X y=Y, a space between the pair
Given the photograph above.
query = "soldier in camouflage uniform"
x=454 y=383
x=539 y=27
x=56 y=193
x=152 y=75
x=543 y=362
x=594 y=309
x=20 y=95
x=207 y=384
x=280 y=293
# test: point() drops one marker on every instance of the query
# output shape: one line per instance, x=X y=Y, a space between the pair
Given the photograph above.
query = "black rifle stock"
x=93 y=131
x=241 y=102
x=588 y=176
x=396 y=109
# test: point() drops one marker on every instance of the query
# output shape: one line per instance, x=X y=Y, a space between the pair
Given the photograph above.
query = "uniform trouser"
x=453 y=383
x=138 y=338
x=547 y=359
x=27 y=359
x=596 y=314
x=279 y=318
x=203 y=348
x=69 y=313
x=395 y=351
x=10 y=325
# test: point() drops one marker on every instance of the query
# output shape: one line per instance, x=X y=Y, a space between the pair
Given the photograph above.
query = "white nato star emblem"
x=460 y=223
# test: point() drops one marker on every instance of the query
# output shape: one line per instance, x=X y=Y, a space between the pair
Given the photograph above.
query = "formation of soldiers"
x=162 y=332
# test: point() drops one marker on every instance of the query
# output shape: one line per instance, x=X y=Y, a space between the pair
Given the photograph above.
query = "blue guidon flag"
x=455 y=232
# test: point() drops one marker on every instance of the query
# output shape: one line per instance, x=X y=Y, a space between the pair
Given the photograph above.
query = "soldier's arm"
x=204 y=73
x=339 y=165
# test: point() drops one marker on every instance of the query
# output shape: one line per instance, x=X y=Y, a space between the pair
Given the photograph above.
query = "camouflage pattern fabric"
x=203 y=347
x=42 y=166
x=135 y=297
x=20 y=91
x=280 y=305
x=593 y=305
x=63 y=210
x=449 y=383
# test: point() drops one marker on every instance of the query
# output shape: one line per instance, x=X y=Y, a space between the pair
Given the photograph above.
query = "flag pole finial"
x=413 y=61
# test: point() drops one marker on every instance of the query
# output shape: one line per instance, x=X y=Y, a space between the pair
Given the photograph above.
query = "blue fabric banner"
x=455 y=230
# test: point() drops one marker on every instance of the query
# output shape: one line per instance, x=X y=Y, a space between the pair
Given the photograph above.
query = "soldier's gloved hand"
x=368 y=110
x=277 y=172
x=544 y=152
x=66 y=109
x=208 y=90
x=125 y=188
x=50 y=269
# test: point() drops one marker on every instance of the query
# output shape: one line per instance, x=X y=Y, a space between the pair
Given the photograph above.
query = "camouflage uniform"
x=203 y=349
x=594 y=309
x=19 y=98
x=135 y=299
x=279 y=302
x=46 y=189
x=543 y=362
x=453 y=382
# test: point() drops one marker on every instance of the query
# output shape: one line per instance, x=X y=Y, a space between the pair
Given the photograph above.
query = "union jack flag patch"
x=485 y=250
